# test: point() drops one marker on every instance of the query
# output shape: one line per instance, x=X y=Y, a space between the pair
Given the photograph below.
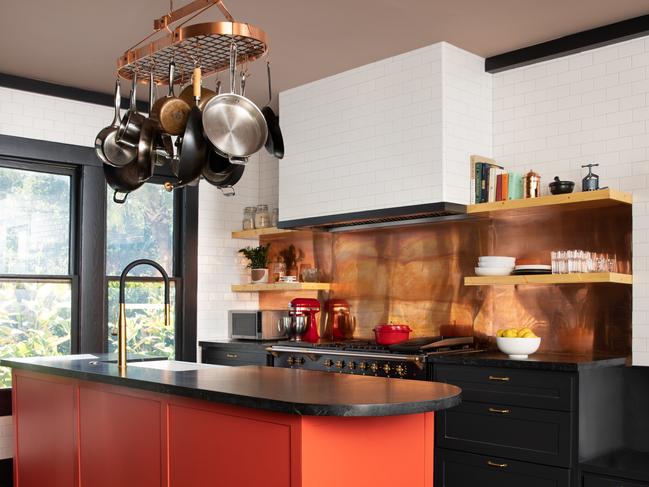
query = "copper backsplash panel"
x=414 y=275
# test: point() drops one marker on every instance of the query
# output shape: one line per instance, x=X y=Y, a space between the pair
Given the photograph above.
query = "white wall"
x=588 y=107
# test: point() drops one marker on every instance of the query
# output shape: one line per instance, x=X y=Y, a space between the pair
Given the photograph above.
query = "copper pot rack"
x=205 y=44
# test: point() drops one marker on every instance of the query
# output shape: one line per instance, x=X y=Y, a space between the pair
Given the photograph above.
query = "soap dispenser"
x=590 y=181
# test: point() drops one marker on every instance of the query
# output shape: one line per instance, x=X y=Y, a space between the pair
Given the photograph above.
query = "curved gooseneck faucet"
x=121 y=330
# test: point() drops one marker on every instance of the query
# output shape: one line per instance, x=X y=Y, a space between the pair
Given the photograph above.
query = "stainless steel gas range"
x=406 y=360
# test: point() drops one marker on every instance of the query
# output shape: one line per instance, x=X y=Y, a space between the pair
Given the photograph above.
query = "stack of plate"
x=494 y=265
x=532 y=269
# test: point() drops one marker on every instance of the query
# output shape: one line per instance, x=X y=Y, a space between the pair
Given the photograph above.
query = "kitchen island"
x=79 y=421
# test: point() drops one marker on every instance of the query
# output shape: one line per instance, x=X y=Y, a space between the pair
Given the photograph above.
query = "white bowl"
x=493 y=271
x=518 y=348
x=496 y=261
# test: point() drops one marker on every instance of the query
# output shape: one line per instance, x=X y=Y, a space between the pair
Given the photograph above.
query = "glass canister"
x=249 y=218
x=274 y=217
x=262 y=217
x=532 y=185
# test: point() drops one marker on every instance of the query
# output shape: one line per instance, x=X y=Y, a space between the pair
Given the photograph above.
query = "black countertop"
x=627 y=464
x=562 y=362
x=290 y=391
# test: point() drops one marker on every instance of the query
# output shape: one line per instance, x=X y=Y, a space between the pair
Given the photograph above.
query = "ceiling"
x=76 y=42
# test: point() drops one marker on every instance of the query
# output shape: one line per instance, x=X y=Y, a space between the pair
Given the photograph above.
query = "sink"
x=172 y=365
x=82 y=356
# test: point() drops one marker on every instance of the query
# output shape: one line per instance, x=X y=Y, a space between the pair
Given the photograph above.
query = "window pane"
x=145 y=328
x=141 y=228
x=34 y=320
x=35 y=224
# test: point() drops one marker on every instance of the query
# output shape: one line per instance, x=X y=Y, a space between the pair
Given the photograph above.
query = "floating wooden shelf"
x=582 y=278
x=281 y=286
x=586 y=199
x=258 y=232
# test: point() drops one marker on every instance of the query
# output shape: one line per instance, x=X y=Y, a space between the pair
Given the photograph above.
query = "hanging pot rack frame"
x=205 y=44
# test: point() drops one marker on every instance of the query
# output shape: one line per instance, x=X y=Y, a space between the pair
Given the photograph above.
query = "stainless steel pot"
x=128 y=133
x=232 y=123
x=107 y=148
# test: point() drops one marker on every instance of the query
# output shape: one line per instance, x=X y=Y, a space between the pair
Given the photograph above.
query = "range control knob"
x=401 y=370
x=374 y=367
x=299 y=360
x=290 y=360
x=328 y=363
x=351 y=365
x=362 y=366
x=340 y=364
x=387 y=368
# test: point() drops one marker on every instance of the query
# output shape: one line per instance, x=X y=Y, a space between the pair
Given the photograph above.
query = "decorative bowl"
x=518 y=348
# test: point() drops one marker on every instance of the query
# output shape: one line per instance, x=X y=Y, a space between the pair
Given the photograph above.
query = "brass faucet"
x=121 y=322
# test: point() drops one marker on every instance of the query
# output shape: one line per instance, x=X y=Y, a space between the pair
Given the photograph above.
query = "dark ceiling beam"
x=570 y=44
x=61 y=91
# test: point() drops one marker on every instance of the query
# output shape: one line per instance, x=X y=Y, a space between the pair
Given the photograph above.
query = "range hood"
x=380 y=218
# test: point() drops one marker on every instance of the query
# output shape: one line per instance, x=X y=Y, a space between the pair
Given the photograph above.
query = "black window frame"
x=88 y=244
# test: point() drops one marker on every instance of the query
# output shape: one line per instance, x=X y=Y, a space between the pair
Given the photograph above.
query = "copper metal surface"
x=414 y=275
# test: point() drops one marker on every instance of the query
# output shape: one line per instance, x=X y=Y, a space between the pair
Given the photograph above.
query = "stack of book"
x=491 y=182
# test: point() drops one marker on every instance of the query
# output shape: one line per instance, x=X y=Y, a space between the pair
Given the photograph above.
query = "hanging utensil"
x=170 y=113
x=187 y=95
x=122 y=180
x=274 y=142
x=128 y=133
x=146 y=157
x=233 y=124
x=223 y=178
x=193 y=147
x=106 y=146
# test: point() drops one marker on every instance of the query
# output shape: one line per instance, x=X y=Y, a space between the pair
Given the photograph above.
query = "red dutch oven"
x=391 y=334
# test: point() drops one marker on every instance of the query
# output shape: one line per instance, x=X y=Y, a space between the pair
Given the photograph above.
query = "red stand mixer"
x=306 y=309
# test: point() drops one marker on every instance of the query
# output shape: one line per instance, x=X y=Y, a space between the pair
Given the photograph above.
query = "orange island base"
x=81 y=422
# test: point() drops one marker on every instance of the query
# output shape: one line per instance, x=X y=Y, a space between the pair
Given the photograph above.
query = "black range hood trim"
x=382 y=217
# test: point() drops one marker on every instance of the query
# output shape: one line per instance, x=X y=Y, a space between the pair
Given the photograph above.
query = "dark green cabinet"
x=235 y=353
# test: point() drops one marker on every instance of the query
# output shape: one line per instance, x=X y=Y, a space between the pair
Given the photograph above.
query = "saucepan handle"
x=238 y=160
x=118 y=200
x=227 y=191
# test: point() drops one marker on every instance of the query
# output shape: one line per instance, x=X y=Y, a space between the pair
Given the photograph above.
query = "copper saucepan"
x=169 y=114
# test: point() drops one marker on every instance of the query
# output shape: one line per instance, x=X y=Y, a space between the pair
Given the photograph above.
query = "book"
x=499 y=187
x=492 y=177
x=515 y=189
x=480 y=183
x=504 y=194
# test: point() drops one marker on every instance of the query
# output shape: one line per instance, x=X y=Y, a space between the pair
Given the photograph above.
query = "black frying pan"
x=274 y=142
x=123 y=179
x=223 y=176
x=193 y=147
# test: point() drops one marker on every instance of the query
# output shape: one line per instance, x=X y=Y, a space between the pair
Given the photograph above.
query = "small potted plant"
x=291 y=257
x=257 y=262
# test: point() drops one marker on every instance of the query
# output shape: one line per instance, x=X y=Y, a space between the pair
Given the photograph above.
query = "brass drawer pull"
x=497 y=465
x=231 y=355
x=501 y=379
x=499 y=411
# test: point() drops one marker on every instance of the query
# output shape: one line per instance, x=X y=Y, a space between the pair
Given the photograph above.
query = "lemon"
x=528 y=334
x=510 y=333
x=523 y=331
x=500 y=332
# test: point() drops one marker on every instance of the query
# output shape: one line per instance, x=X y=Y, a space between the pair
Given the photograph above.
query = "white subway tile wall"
x=588 y=107
x=6 y=437
x=393 y=133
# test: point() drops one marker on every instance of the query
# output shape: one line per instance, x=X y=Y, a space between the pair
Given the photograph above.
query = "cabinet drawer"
x=456 y=469
x=527 y=388
x=233 y=357
x=526 y=434
x=591 y=480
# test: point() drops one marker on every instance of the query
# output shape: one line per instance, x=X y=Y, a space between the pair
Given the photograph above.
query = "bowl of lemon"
x=518 y=343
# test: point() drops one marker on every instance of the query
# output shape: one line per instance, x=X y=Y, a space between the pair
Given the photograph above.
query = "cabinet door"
x=210 y=448
x=527 y=434
x=591 y=480
x=46 y=423
x=120 y=440
x=527 y=388
x=455 y=469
